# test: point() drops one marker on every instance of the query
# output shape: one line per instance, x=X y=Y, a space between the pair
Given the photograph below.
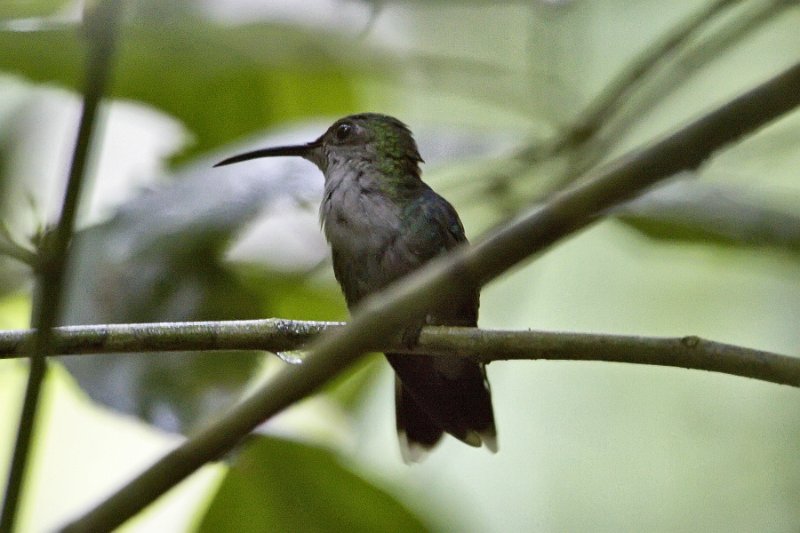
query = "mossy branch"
x=278 y=335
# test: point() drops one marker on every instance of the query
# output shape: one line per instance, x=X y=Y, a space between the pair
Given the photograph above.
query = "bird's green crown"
x=381 y=138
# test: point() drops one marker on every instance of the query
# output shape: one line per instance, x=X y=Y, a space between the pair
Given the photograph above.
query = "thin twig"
x=612 y=96
x=384 y=314
x=278 y=335
x=647 y=80
x=101 y=24
x=683 y=65
x=11 y=248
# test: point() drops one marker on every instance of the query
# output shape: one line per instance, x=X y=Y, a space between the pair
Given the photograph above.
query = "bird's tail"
x=441 y=394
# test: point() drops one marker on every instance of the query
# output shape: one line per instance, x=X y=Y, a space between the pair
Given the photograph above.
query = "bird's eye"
x=343 y=131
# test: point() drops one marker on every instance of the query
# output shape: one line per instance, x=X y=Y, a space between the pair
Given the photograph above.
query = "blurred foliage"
x=493 y=77
x=162 y=258
x=688 y=210
x=15 y=9
x=216 y=84
x=233 y=80
x=279 y=485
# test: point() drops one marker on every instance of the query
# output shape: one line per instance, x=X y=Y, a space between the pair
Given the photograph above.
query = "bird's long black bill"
x=300 y=150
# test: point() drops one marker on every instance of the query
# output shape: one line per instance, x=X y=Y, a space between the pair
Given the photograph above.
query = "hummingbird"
x=382 y=222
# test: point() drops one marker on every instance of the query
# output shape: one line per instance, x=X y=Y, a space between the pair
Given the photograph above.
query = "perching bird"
x=383 y=222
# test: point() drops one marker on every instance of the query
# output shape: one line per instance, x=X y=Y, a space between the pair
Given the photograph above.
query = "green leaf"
x=280 y=485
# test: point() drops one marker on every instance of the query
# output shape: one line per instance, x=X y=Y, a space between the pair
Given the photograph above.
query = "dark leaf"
x=691 y=210
x=162 y=258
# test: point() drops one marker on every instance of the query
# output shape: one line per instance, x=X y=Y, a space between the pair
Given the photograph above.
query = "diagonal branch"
x=383 y=315
x=278 y=335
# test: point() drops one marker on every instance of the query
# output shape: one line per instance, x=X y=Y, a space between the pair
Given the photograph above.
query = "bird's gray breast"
x=357 y=217
x=362 y=226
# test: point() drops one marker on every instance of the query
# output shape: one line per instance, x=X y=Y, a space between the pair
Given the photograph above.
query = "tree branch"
x=278 y=335
x=272 y=334
x=51 y=263
x=384 y=314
